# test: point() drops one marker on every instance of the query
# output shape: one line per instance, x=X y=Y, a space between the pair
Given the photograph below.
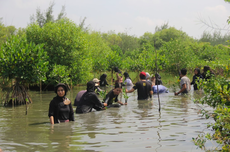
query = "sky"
x=134 y=17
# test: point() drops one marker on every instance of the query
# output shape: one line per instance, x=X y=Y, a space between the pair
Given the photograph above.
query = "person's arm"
x=107 y=97
x=182 y=90
x=51 y=112
x=118 y=77
x=122 y=103
x=193 y=80
x=97 y=103
x=71 y=113
x=129 y=91
x=106 y=83
x=52 y=120
x=151 y=92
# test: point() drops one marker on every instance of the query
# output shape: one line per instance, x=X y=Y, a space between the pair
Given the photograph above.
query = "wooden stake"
x=157 y=81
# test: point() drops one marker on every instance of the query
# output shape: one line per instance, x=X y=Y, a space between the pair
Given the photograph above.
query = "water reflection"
x=158 y=133
x=60 y=136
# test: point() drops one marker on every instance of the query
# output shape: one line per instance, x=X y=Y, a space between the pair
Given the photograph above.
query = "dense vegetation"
x=217 y=96
x=74 y=53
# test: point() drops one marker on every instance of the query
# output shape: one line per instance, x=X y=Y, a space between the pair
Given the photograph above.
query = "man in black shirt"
x=112 y=96
x=144 y=90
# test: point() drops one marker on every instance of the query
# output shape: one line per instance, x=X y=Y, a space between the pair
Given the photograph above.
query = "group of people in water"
x=61 y=109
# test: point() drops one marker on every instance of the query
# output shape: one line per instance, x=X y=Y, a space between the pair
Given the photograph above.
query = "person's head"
x=142 y=75
x=206 y=68
x=117 y=89
x=117 y=70
x=126 y=75
x=157 y=76
x=96 y=81
x=103 y=76
x=183 y=71
x=197 y=71
x=90 y=86
x=153 y=78
x=61 y=89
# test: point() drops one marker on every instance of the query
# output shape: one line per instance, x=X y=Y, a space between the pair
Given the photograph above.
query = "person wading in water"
x=144 y=89
x=60 y=109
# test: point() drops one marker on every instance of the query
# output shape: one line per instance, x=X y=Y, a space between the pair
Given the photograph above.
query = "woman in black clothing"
x=60 y=108
x=207 y=74
x=89 y=100
x=158 y=79
x=103 y=81
x=196 y=78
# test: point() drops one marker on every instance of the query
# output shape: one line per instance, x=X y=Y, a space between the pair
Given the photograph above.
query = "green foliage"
x=128 y=43
x=217 y=95
x=178 y=55
x=60 y=74
x=99 y=51
x=166 y=35
x=65 y=45
x=200 y=141
x=125 y=94
x=5 y=32
x=102 y=94
x=113 y=60
x=23 y=60
x=217 y=90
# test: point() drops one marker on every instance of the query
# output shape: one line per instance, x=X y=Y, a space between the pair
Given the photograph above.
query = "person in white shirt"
x=184 y=82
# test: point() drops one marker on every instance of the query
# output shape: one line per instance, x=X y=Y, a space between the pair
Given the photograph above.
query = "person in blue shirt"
x=161 y=88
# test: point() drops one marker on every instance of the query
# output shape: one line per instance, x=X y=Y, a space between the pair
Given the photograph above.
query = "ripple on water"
x=136 y=127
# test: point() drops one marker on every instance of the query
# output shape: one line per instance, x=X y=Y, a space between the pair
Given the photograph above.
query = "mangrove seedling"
x=125 y=95
x=102 y=94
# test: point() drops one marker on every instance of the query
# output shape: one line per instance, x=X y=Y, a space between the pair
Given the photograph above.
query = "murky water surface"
x=139 y=126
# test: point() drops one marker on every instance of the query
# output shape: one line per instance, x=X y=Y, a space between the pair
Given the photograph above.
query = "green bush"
x=217 y=95
x=22 y=60
x=65 y=44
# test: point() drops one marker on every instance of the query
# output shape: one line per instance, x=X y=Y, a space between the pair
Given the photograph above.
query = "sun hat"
x=96 y=80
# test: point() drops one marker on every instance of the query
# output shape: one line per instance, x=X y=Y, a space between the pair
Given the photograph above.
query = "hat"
x=147 y=75
x=142 y=75
x=65 y=87
x=96 y=80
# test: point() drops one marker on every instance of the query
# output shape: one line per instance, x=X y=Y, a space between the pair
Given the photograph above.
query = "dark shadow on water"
x=145 y=104
x=40 y=123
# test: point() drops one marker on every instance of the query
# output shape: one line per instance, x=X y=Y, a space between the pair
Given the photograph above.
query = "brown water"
x=136 y=127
